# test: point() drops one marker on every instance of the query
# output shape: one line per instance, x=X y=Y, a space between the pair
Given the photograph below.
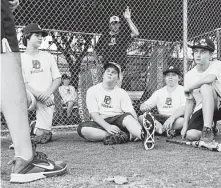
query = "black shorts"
x=196 y=120
x=115 y=120
x=8 y=32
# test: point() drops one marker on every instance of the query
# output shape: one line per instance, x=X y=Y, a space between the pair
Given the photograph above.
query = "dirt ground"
x=93 y=164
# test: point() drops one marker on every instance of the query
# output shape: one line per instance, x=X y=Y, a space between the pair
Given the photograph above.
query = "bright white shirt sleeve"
x=152 y=101
x=126 y=103
x=216 y=70
x=91 y=101
x=54 y=68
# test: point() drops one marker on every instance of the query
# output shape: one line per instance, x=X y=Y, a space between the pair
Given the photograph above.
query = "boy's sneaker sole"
x=148 y=131
x=25 y=178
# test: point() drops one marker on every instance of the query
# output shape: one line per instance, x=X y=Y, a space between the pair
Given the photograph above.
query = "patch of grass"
x=90 y=164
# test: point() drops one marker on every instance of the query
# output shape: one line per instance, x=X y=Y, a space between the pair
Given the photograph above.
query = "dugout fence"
x=165 y=28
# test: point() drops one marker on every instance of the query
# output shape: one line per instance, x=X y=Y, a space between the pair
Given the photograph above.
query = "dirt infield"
x=92 y=164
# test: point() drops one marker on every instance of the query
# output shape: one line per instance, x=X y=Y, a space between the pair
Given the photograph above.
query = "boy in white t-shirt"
x=42 y=78
x=170 y=102
x=67 y=93
x=202 y=85
x=113 y=116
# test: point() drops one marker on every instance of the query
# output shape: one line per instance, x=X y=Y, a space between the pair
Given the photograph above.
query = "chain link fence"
x=75 y=27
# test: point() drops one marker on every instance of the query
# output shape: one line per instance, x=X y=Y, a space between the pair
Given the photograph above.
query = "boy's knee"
x=193 y=135
x=140 y=119
x=205 y=87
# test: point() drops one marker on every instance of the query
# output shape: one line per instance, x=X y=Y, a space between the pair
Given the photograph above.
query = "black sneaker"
x=40 y=167
x=215 y=131
x=42 y=139
x=207 y=135
x=118 y=138
x=148 y=130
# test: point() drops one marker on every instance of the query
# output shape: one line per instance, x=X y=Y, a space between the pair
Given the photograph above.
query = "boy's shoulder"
x=95 y=87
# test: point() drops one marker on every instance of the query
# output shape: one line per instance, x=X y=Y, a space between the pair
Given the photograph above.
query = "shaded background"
x=155 y=19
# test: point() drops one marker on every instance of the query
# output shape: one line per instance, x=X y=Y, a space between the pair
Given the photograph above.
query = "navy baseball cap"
x=204 y=43
x=34 y=28
x=172 y=69
x=112 y=64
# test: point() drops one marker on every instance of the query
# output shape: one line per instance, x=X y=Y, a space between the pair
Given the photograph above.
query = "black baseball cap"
x=204 y=43
x=34 y=28
x=172 y=69
x=112 y=64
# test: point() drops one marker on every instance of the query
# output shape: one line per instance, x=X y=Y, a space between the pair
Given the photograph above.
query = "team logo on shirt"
x=36 y=65
x=107 y=102
x=107 y=99
x=168 y=101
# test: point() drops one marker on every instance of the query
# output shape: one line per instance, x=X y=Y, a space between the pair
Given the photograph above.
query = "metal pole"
x=218 y=38
x=185 y=33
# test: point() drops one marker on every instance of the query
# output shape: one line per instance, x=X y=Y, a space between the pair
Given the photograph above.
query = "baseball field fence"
x=75 y=26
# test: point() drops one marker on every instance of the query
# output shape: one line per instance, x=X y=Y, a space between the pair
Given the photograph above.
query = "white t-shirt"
x=195 y=76
x=67 y=93
x=39 y=70
x=108 y=103
x=167 y=102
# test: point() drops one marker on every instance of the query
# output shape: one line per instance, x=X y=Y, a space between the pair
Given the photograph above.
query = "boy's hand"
x=49 y=102
x=183 y=132
x=169 y=123
x=113 y=129
x=144 y=107
x=127 y=13
x=43 y=97
x=13 y=4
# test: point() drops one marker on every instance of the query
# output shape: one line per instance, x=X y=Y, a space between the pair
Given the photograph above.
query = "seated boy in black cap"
x=170 y=101
x=202 y=84
x=112 y=114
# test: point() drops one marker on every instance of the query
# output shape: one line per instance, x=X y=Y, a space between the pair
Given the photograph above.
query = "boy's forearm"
x=133 y=28
x=206 y=80
x=188 y=111
x=98 y=119
x=55 y=84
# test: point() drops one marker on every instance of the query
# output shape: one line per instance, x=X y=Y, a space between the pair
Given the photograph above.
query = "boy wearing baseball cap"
x=42 y=78
x=202 y=84
x=170 y=102
x=113 y=117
